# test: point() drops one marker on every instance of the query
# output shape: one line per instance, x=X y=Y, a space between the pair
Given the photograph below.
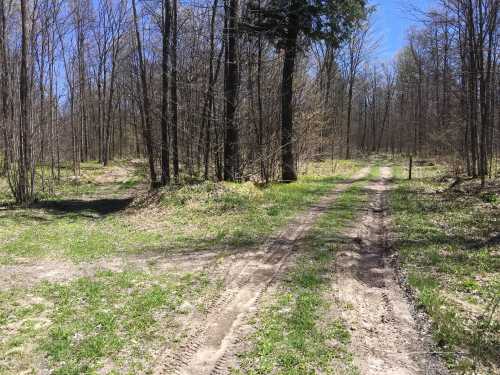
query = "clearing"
x=218 y=278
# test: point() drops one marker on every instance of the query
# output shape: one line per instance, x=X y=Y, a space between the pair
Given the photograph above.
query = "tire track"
x=385 y=338
x=210 y=337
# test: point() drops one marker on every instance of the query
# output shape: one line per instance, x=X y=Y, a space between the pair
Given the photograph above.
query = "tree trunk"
x=145 y=100
x=109 y=114
x=288 y=172
x=165 y=162
x=348 y=127
x=173 y=93
x=231 y=141
x=4 y=90
x=24 y=193
x=260 y=129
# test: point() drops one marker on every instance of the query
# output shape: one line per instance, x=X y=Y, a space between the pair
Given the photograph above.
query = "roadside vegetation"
x=116 y=320
x=448 y=241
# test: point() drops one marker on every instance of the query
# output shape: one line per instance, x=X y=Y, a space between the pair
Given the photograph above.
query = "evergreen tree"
x=289 y=22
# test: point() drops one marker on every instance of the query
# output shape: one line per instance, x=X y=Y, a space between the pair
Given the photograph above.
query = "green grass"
x=87 y=183
x=116 y=320
x=297 y=332
x=444 y=240
x=189 y=217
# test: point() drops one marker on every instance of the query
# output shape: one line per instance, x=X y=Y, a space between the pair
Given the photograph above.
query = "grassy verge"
x=113 y=321
x=190 y=217
x=448 y=243
x=297 y=332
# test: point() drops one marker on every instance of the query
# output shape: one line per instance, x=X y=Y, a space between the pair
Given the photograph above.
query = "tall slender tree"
x=165 y=35
x=355 y=49
x=24 y=190
x=231 y=141
x=145 y=99
x=4 y=92
x=174 y=93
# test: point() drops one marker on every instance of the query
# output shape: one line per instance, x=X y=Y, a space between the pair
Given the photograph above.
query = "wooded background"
x=238 y=89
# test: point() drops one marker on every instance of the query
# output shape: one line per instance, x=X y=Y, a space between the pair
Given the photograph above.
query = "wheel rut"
x=210 y=337
x=384 y=335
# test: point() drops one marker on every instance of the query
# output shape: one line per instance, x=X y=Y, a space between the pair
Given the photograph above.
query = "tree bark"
x=231 y=139
x=288 y=172
x=145 y=100
x=4 y=92
x=23 y=191
x=173 y=93
x=165 y=160
x=348 y=127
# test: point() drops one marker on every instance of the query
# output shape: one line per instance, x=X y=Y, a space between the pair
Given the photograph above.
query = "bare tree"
x=174 y=93
x=355 y=50
x=165 y=160
x=231 y=139
x=145 y=99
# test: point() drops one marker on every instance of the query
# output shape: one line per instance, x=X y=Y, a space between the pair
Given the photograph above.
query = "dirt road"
x=210 y=338
x=385 y=337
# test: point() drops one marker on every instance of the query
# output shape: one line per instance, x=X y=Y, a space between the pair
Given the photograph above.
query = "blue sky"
x=391 y=22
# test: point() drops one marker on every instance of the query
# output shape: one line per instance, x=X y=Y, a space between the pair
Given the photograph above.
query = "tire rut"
x=384 y=335
x=211 y=336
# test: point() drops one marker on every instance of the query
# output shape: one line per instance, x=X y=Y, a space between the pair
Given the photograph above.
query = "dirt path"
x=385 y=337
x=32 y=272
x=210 y=338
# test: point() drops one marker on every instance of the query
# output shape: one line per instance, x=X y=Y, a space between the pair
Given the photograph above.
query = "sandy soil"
x=385 y=336
x=30 y=273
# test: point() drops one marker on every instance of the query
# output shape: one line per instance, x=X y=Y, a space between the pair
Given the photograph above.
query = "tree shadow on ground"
x=101 y=207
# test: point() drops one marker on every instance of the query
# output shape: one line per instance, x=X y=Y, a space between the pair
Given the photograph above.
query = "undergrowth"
x=448 y=243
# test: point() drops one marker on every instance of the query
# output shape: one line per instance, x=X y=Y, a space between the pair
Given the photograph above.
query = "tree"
x=165 y=34
x=285 y=22
x=96 y=80
x=115 y=26
x=355 y=48
x=24 y=185
x=145 y=99
x=231 y=140
x=4 y=92
x=208 y=104
x=174 y=94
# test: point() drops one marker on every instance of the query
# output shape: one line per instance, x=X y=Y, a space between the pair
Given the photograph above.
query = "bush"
x=489 y=197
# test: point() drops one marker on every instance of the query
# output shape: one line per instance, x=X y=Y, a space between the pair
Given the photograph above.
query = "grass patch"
x=189 y=217
x=93 y=179
x=113 y=320
x=447 y=245
x=296 y=332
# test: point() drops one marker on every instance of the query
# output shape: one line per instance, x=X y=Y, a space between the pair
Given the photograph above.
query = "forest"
x=248 y=187
x=213 y=91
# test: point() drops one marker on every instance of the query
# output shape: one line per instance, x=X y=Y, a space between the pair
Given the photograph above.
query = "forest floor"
x=351 y=270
